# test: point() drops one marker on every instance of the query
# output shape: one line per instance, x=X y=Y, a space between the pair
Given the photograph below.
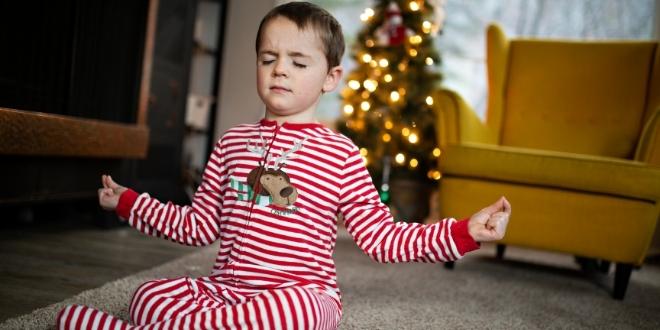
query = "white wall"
x=238 y=99
x=656 y=19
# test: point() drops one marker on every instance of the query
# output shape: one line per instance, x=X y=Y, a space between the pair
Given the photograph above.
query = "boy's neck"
x=292 y=119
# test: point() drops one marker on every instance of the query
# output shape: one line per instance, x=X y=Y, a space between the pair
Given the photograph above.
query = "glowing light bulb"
x=364 y=151
x=429 y=100
x=354 y=84
x=394 y=96
x=413 y=138
x=365 y=106
x=413 y=163
x=436 y=152
x=387 y=78
x=366 y=58
x=348 y=109
x=373 y=63
x=367 y=14
x=400 y=158
x=429 y=61
x=383 y=63
x=413 y=5
x=387 y=137
x=405 y=131
x=426 y=27
x=369 y=43
x=415 y=40
x=412 y=52
x=370 y=85
x=389 y=125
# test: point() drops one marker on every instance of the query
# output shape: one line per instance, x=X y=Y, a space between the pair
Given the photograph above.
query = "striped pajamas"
x=270 y=193
x=186 y=303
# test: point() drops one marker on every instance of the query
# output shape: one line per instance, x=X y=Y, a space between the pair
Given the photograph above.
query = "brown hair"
x=305 y=14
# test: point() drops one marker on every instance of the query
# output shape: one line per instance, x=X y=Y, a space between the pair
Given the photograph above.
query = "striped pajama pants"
x=186 y=303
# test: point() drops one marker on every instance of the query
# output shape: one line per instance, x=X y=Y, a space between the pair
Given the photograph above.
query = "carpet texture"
x=526 y=290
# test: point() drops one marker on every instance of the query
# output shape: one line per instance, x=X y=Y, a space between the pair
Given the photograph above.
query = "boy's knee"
x=151 y=291
x=146 y=286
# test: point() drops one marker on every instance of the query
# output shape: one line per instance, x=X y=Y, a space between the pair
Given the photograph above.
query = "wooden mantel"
x=41 y=134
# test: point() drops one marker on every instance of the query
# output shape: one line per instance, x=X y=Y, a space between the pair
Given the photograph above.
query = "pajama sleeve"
x=196 y=224
x=371 y=225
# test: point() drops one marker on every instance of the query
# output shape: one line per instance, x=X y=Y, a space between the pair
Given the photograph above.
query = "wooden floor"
x=43 y=262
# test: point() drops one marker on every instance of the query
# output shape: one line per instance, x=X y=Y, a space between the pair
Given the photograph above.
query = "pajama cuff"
x=462 y=238
x=126 y=201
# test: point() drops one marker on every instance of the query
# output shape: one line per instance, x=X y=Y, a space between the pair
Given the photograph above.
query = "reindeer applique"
x=273 y=181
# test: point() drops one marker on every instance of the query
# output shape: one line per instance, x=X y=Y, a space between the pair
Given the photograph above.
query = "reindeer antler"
x=280 y=160
x=258 y=148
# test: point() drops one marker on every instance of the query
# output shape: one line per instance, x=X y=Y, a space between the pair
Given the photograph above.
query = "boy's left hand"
x=489 y=224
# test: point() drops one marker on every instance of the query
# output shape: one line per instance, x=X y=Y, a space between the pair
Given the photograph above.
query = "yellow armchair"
x=571 y=137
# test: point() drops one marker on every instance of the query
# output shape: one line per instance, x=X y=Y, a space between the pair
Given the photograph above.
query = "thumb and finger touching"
x=494 y=219
x=111 y=184
x=501 y=205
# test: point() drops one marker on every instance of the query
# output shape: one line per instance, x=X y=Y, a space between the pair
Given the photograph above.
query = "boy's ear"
x=332 y=79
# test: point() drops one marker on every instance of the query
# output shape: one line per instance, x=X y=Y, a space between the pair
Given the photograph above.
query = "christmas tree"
x=388 y=100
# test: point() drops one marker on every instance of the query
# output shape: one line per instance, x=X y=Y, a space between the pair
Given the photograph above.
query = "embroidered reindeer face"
x=273 y=181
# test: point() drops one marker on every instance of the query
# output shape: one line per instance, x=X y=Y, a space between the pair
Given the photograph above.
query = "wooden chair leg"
x=621 y=279
x=500 y=248
x=449 y=265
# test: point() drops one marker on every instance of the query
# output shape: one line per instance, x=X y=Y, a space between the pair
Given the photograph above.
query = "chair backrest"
x=589 y=97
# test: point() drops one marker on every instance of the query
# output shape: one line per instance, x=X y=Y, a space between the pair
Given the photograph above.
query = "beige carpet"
x=528 y=290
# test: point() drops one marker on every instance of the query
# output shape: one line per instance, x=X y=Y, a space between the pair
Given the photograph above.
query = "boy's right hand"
x=109 y=194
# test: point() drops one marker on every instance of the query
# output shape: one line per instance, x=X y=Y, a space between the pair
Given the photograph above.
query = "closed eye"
x=266 y=62
x=298 y=65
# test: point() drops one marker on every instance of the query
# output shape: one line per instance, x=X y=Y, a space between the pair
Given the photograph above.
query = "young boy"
x=270 y=193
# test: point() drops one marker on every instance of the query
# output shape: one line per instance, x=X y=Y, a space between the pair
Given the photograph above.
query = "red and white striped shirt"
x=281 y=230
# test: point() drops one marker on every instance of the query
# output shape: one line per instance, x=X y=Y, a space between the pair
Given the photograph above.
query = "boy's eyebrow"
x=267 y=52
x=292 y=54
x=298 y=54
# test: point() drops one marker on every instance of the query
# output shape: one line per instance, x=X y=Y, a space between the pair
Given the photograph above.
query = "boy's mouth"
x=279 y=89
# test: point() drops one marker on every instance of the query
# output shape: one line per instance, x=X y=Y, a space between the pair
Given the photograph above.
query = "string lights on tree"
x=388 y=100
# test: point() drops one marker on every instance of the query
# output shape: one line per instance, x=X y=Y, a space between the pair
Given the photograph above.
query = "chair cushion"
x=612 y=176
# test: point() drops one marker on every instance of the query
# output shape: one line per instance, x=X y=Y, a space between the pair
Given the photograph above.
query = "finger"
x=103 y=181
x=495 y=207
x=111 y=183
x=507 y=205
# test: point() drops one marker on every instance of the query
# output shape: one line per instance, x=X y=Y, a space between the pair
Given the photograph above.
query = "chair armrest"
x=648 y=147
x=458 y=123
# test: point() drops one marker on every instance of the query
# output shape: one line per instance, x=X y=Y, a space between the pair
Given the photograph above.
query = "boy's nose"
x=279 y=69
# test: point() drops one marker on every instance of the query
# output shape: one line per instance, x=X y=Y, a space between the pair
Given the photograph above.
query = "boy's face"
x=292 y=71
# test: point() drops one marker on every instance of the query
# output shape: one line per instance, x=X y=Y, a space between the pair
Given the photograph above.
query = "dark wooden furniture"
x=90 y=87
